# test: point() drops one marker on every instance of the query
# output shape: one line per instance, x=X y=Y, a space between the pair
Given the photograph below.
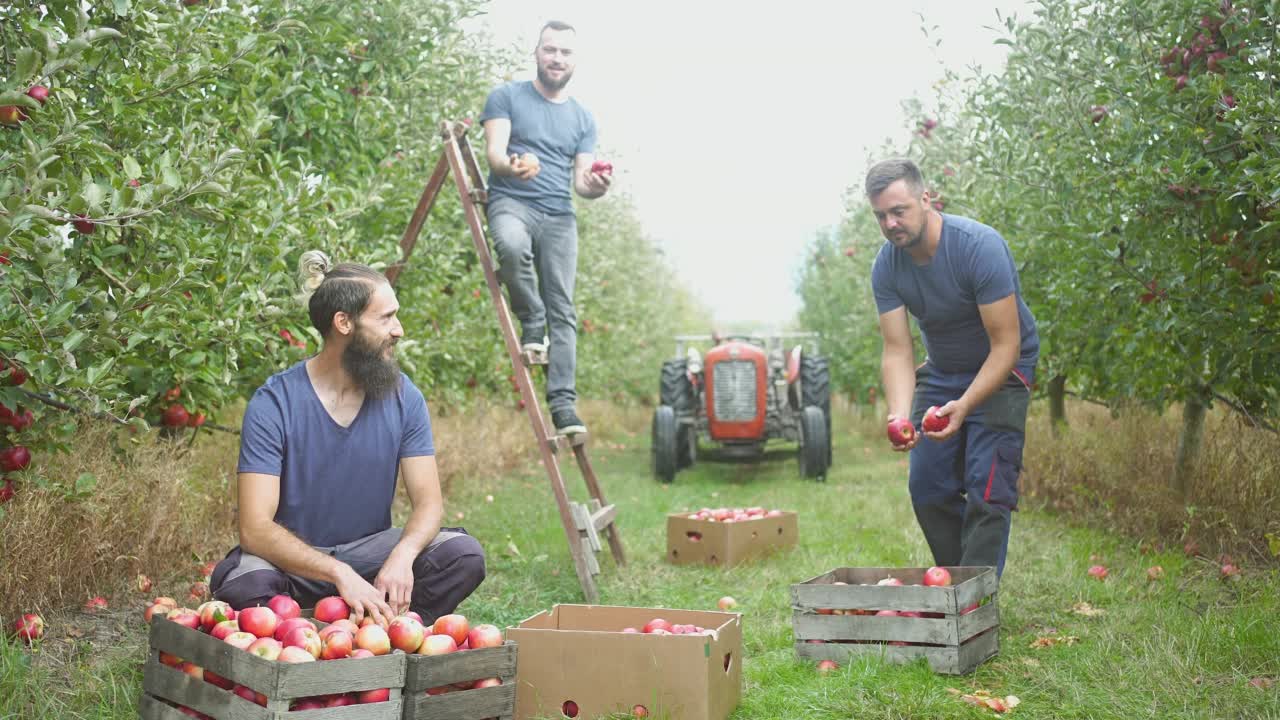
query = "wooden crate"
x=953 y=642
x=432 y=671
x=280 y=682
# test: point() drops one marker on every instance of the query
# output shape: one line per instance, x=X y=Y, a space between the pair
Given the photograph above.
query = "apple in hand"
x=933 y=422
x=602 y=167
x=901 y=432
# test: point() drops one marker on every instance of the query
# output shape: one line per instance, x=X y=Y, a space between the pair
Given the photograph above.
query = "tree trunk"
x=1188 y=445
x=1057 y=402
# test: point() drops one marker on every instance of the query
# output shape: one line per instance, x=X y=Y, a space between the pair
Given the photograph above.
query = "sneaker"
x=533 y=340
x=567 y=422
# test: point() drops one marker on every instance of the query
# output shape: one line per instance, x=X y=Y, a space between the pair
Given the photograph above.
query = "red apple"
x=11 y=115
x=1229 y=571
x=639 y=711
x=306 y=704
x=338 y=644
x=630 y=630
x=569 y=708
x=437 y=645
x=415 y=616
x=306 y=638
x=1155 y=572
x=143 y=584
x=374 y=639
x=29 y=628
x=240 y=639
x=259 y=620
x=933 y=422
x=250 y=695
x=890 y=581
x=901 y=431
x=826 y=666
x=971 y=608
x=937 y=576
x=223 y=629
x=406 y=633
x=727 y=603
x=361 y=653
x=214 y=612
x=373 y=696
x=193 y=670
x=13 y=459
x=185 y=617
x=487 y=682
x=175 y=416
x=332 y=608
x=295 y=654
x=455 y=626
x=1098 y=571
x=217 y=680
x=286 y=626
x=267 y=648
x=155 y=609
x=656 y=624
x=602 y=166
x=96 y=603
x=284 y=607
x=84 y=225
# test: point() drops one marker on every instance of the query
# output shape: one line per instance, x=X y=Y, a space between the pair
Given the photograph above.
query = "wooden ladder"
x=583 y=522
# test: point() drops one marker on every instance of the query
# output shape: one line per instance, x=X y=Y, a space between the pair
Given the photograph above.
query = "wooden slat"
x=604 y=517
x=809 y=626
x=339 y=676
x=166 y=682
x=430 y=671
x=977 y=651
x=874 y=597
x=984 y=618
x=844 y=652
x=971 y=591
x=478 y=704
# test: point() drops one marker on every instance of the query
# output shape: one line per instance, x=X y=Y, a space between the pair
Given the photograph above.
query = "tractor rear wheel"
x=664 y=443
x=815 y=390
x=814 y=443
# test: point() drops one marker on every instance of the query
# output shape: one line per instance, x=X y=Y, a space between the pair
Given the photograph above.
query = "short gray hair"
x=887 y=172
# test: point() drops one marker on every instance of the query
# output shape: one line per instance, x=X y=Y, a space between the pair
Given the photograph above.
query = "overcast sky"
x=737 y=129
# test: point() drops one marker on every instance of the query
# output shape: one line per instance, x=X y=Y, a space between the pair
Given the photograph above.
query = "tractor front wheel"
x=664 y=443
x=814 y=443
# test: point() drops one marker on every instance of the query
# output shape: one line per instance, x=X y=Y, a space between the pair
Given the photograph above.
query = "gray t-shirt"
x=973 y=266
x=336 y=483
x=555 y=132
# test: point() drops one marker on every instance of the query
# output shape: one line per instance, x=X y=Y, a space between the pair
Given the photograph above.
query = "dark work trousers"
x=964 y=488
x=444 y=574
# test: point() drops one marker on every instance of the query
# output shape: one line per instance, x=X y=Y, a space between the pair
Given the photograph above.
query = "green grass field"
x=1186 y=646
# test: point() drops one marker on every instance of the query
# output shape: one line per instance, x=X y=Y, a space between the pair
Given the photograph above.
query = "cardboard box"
x=280 y=682
x=837 y=622
x=721 y=543
x=578 y=653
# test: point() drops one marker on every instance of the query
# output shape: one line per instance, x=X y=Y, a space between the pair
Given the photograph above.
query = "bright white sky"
x=737 y=128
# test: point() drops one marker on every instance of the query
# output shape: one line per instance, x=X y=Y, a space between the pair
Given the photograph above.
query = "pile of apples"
x=729 y=515
x=933 y=577
x=278 y=632
x=659 y=626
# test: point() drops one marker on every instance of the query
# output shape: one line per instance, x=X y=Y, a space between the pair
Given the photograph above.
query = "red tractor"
x=740 y=394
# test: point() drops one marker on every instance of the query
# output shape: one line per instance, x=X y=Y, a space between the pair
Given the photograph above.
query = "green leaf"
x=101 y=33
x=93 y=195
x=14 y=97
x=73 y=340
x=122 y=7
x=28 y=59
x=134 y=340
x=86 y=483
x=97 y=371
x=131 y=168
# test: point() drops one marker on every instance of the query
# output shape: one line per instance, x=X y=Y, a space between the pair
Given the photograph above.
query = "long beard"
x=550 y=84
x=377 y=375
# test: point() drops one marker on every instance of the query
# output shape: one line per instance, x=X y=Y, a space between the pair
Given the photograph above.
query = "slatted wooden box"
x=280 y=682
x=720 y=543
x=427 y=672
x=951 y=637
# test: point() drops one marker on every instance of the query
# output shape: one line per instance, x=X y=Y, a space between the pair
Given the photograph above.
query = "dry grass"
x=164 y=508
x=1115 y=472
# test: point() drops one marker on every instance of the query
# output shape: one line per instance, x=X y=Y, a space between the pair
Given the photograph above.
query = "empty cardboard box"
x=578 y=654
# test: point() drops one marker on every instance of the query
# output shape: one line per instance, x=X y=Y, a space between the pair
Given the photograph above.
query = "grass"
x=1185 y=646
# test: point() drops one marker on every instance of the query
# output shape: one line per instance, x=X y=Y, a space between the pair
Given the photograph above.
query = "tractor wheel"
x=664 y=443
x=687 y=450
x=674 y=389
x=815 y=390
x=814 y=444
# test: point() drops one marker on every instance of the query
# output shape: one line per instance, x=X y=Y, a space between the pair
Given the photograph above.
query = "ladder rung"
x=532 y=357
x=604 y=517
x=479 y=196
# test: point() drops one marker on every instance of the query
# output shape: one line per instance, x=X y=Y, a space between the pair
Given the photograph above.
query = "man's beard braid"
x=376 y=375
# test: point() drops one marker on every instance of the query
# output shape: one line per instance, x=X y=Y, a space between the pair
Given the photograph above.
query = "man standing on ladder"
x=539 y=140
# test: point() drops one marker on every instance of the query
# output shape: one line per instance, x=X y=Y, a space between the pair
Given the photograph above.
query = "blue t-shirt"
x=336 y=483
x=972 y=266
x=555 y=132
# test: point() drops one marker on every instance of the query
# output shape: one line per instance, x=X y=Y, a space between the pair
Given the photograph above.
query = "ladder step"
x=603 y=517
x=532 y=357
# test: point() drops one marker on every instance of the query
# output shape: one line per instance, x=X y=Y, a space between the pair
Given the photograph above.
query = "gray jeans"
x=537 y=261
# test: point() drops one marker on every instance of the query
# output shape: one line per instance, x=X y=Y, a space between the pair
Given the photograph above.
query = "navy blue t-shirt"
x=336 y=483
x=555 y=132
x=972 y=266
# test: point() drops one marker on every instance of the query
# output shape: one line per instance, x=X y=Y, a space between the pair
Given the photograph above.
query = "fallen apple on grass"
x=727 y=603
x=1098 y=571
x=29 y=628
x=826 y=666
